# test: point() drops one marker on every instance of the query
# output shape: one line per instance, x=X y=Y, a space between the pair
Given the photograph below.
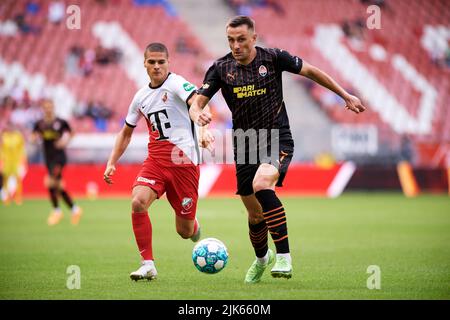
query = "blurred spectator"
x=272 y=4
x=183 y=45
x=245 y=7
x=17 y=92
x=325 y=160
x=80 y=110
x=441 y=56
x=3 y=91
x=56 y=12
x=104 y=56
x=80 y=61
x=406 y=149
x=19 y=116
x=380 y=3
x=354 y=31
x=100 y=114
x=7 y=105
x=72 y=62
x=24 y=26
x=32 y=7
x=87 y=62
x=33 y=113
x=8 y=28
x=241 y=7
x=164 y=3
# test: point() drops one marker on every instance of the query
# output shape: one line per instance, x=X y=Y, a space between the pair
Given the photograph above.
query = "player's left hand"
x=62 y=142
x=59 y=144
x=206 y=139
x=109 y=172
x=353 y=103
x=202 y=118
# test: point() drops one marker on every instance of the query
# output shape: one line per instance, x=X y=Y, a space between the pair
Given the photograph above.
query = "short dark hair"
x=241 y=20
x=157 y=47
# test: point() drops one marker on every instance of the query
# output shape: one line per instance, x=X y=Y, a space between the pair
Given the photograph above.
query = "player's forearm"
x=326 y=81
x=194 y=111
x=65 y=139
x=198 y=106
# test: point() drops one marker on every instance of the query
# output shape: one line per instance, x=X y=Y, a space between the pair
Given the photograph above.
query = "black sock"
x=67 y=198
x=53 y=192
x=258 y=237
x=275 y=218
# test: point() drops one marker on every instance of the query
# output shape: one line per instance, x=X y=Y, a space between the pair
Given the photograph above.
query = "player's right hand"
x=204 y=118
x=201 y=118
x=109 y=172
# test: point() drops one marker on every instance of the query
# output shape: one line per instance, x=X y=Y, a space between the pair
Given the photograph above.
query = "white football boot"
x=146 y=272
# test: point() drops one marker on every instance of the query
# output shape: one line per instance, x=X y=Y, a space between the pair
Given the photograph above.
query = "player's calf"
x=188 y=229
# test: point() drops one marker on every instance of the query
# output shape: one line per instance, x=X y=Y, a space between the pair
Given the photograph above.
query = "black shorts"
x=245 y=173
x=55 y=166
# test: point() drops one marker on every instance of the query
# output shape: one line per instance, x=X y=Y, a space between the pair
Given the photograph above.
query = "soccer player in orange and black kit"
x=56 y=134
x=251 y=83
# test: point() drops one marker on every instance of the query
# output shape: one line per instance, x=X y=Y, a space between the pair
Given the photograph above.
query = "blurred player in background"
x=173 y=154
x=55 y=134
x=13 y=162
x=250 y=79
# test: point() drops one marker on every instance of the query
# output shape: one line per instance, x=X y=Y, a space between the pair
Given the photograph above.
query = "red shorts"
x=180 y=183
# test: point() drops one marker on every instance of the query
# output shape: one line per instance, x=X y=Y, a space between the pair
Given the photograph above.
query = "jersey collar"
x=150 y=84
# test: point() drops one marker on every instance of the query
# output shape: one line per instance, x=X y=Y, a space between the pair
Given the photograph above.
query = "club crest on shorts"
x=262 y=71
x=186 y=203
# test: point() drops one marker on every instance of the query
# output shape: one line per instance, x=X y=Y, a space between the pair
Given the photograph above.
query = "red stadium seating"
x=402 y=24
x=46 y=52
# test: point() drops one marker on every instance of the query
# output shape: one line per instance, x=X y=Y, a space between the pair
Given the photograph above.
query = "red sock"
x=142 y=228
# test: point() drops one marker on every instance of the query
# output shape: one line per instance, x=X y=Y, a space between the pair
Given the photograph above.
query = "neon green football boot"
x=282 y=268
x=256 y=270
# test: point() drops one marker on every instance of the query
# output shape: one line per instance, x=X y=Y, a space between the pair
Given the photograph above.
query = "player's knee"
x=138 y=204
x=261 y=183
x=50 y=183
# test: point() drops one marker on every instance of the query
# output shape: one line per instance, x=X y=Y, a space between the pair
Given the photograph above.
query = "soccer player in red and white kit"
x=173 y=154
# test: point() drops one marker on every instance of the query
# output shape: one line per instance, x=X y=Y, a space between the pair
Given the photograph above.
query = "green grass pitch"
x=333 y=242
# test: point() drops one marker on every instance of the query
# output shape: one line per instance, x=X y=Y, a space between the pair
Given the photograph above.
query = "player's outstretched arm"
x=351 y=102
x=196 y=111
x=206 y=138
x=122 y=141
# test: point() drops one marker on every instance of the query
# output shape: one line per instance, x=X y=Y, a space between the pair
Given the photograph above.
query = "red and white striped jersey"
x=173 y=136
